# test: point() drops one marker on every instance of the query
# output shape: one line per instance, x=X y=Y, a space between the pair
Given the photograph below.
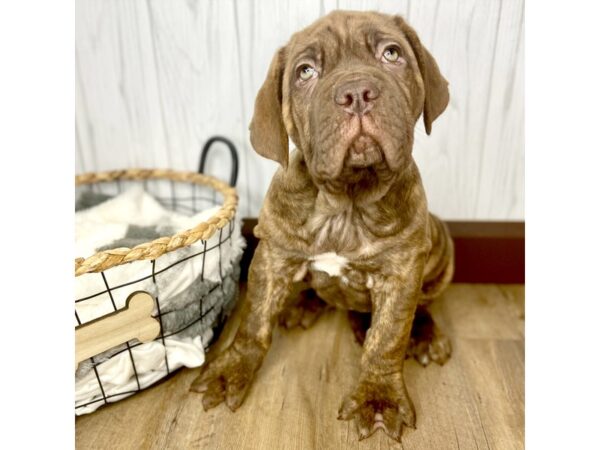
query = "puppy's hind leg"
x=427 y=342
x=305 y=312
x=360 y=323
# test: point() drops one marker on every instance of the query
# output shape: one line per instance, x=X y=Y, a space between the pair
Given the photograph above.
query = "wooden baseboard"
x=485 y=252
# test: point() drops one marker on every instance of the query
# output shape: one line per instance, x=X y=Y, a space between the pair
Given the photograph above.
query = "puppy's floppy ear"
x=267 y=130
x=436 y=86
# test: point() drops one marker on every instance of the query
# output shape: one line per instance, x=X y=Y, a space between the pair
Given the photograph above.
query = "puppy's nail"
x=210 y=401
x=363 y=433
x=366 y=431
x=232 y=403
x=410 y=422
x=343 y=415
x=408 y=416
x=395 y=435
x=235 y=400
x=347 y=409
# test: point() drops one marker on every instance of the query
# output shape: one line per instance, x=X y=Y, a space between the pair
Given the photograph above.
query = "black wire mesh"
x=205 y=310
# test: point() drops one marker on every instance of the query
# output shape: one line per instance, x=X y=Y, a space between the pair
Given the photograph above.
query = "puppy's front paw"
x=376 y=405
x=227 y=378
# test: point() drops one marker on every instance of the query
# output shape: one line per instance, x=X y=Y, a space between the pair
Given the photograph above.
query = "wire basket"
x=142 y=311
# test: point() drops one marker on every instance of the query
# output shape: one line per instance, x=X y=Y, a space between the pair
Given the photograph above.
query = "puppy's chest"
x=343 y=232
x=342 y=247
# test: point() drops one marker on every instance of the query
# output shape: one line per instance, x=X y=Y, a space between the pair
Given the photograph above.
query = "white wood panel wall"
x=157 y=78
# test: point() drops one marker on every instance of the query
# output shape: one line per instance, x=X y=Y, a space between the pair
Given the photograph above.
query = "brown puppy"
x=346 y=215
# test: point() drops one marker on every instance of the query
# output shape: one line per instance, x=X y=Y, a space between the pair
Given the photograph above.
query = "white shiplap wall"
x=156 y=79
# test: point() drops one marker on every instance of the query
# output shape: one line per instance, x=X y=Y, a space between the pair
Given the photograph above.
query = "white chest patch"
x=330 y=263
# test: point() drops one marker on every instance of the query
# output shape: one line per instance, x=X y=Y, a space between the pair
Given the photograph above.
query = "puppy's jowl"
x=346 y=216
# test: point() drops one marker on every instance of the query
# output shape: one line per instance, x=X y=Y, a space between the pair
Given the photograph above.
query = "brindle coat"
x=346 y=214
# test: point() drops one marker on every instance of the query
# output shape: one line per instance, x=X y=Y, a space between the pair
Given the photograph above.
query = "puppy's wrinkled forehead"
x=341 y=37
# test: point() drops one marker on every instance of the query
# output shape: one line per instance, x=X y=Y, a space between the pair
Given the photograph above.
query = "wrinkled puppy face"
x=353 y=94
x=348 y=90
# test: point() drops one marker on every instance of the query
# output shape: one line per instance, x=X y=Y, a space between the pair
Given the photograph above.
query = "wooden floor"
x=475 y=401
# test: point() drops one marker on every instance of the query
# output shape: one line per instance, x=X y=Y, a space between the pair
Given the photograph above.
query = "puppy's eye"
x=306 y=72
x=391 y=54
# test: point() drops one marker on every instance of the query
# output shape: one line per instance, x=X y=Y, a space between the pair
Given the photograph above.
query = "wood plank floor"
x=475 y=401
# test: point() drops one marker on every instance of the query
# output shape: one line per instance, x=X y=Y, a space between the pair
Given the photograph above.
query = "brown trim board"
x=485 y=252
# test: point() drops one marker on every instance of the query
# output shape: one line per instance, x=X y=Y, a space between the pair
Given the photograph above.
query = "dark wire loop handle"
x=232 y=150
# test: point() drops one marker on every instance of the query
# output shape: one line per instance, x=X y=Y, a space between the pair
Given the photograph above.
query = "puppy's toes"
x=419 y=350
x=310 y=317
x=290 y=318
x=437 y=348
x=349 y=406
x=392 y=422
x=236 y=392
x=379 y=405
x=365 y=421
x=213 y=395
x=208 y=373
x=304 y=313
x=440 y=349
x=228 y=377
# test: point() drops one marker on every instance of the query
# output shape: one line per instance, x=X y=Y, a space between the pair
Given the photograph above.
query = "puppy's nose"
x=356 y=97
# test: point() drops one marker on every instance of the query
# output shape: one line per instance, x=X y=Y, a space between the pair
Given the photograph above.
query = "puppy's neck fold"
x=385 y=210
x=373 y=187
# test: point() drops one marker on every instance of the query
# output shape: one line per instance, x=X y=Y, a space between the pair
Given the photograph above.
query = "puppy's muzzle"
x=356 y=96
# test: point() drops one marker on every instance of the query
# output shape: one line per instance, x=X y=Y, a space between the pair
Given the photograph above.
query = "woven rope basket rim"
x=151 y=250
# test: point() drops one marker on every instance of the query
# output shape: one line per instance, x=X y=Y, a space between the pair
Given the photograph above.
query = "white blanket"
x=121 y=220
